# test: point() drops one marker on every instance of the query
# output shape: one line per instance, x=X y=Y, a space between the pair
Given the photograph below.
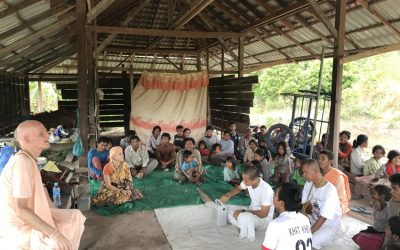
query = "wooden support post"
x=241 y=56
x=208 y=60
x=82 y=66
x=91 y=90
x=337 y=74
x=222 y=60
x=40 y=97
x=198 y=66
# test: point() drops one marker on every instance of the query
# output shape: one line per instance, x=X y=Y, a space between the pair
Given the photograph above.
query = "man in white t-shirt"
x=291 y=229
x=321 y=202
x=261 y=209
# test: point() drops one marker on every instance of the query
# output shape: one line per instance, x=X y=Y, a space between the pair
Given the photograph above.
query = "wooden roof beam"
x=163 y=33
x=98 y=9
x=194 y=9
x=371 y=52
x=377 y=15
x=17 y=7
x=152 y=51
x=323 y=18
x=305 y=24
x=129 y=17
x=280 y=32
x=172 y=63
x=278 y=15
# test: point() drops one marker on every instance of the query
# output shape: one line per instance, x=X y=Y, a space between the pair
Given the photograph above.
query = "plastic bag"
x=78 y=149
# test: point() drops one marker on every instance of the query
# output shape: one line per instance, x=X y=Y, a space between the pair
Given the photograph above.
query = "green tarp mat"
x=161 y=190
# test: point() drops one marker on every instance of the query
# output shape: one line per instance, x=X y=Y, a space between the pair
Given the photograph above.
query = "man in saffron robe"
x=28 y=220
x=336 y=177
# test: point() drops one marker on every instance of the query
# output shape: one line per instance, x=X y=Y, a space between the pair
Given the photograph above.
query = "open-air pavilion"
x=83 y=46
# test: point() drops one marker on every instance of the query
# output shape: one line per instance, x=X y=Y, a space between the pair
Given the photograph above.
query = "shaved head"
x=311 y=169
x=32 y=134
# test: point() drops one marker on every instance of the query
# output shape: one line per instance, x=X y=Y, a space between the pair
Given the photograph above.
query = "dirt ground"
x=130 y=231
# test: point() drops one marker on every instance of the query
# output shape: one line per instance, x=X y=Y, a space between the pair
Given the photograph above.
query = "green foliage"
x=371 y=87
x=49 y=94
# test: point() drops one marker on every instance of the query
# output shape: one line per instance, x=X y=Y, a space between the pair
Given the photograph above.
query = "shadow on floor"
x=134 y=230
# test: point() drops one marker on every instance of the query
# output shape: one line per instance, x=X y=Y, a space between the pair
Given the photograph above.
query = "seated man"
x=137 y=157
x=321 y=203
x=261 y=209
x=98 y=158
x=165 y=152
x=291 y=228
x=336 y=177
x=28 y=218
x=189 y=145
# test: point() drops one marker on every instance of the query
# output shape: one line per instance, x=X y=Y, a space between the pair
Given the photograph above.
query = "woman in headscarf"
x=117 y=183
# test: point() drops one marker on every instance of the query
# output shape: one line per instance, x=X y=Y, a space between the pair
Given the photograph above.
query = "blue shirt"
x=102 y=157
x=187 y=166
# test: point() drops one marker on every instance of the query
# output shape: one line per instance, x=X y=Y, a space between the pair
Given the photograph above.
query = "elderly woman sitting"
x=117 y=185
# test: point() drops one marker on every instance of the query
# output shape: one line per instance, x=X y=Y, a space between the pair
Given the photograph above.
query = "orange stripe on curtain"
x=165 y=81
x=168 y=126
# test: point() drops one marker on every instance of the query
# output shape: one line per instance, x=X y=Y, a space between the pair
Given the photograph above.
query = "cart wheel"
x=277 y=133
x=299 y=126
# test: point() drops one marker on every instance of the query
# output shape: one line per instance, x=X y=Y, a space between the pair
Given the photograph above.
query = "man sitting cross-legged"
x=166 y=153
x=321 y=204
x=261 y=209
x=291 y=229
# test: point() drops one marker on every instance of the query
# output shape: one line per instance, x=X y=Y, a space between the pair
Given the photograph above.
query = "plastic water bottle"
x=56 y=195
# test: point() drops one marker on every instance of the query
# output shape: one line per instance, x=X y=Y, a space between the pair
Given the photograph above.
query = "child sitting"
x=250 y=152
x=266 y=169
x=216 y=149
x=190 y=168
x=381 y=195
x=297 y=176
x=230 y=172
x=204 y=152
x=393 y=233
x=283 y=163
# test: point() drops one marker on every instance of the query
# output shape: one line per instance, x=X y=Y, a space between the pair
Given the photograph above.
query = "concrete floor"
x=134 y=230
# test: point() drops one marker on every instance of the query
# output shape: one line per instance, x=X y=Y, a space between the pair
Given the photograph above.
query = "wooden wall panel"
x=230 y=100
x=14 y=101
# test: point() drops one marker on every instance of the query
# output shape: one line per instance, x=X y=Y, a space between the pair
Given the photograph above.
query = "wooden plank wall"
x=14 y=101
x=230 y=100
x=114 y=109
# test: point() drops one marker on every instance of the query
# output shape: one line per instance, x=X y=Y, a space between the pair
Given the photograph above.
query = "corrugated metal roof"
x=365 y=31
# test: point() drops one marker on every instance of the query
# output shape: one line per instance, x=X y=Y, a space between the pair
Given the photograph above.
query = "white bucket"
x=220 y=214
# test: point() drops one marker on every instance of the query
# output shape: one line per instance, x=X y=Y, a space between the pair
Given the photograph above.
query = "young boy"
x=190 y=168
x=187 y=132
x=290 y=229
x=394 y=203
x=393 y=233
x=336 y=177
x=179 y=138
x=321 y=203
x=165 y=152
x=265 y=167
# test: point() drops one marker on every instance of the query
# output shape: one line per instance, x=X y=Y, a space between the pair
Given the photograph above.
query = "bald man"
x=321 y=202
x=28 y=220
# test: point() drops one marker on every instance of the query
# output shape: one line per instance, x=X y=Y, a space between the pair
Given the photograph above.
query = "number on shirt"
x=303 y=244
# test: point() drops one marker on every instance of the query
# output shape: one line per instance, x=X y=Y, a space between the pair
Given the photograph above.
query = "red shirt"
x=391 y=170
